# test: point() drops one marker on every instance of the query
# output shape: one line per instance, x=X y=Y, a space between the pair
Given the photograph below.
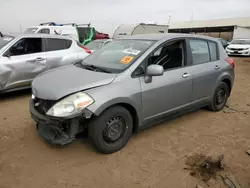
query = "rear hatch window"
x=86 y=34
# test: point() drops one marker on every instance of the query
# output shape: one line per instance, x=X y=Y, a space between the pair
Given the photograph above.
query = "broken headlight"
x=70 y=105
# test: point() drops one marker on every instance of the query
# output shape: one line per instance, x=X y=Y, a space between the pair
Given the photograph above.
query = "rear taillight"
x=86 y=49
x=230 y=61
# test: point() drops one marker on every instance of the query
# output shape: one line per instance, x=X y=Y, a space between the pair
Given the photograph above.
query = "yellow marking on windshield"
x=126 y=59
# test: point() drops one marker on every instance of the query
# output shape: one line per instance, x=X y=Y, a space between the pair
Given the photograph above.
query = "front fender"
x=98 y=110
x=127 y=93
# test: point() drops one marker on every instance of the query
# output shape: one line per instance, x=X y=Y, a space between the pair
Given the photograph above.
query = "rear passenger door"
x=205 y=68
x=59 y=53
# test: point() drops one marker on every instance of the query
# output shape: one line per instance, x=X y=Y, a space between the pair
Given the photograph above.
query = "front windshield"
x=5 y=40
x=240 y=41
x=31 y=30
x=117 y=55
x=94 y=45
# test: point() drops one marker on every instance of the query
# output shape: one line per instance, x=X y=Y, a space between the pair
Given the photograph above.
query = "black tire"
x=219 y=105
x=101 y=124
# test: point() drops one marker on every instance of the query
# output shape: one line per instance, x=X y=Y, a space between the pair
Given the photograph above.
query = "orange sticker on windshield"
x=126 y=59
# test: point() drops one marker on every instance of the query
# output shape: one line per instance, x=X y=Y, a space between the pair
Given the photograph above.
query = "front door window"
x=169 y=56
x=26 y=46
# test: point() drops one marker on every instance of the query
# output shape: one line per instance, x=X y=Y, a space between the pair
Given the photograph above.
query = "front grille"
x=237 y=49
x=42 y=106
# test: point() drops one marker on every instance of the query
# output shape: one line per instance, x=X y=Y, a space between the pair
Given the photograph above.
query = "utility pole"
x=21 y=28
x=169 y=19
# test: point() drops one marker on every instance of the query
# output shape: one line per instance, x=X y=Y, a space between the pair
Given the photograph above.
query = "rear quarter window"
x=213 y=51
x=68 y=43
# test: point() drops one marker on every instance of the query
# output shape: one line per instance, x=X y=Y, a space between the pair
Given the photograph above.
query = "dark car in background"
x=224 y=42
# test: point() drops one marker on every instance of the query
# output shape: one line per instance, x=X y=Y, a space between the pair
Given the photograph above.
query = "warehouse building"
x=222 y=28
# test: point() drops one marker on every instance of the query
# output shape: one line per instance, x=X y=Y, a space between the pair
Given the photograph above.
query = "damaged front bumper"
x=59 y=130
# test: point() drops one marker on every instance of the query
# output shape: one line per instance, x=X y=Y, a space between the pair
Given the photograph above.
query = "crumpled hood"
x=236 y=46
x=57 y=83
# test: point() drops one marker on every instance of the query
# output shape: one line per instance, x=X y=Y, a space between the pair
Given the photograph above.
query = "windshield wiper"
x=95 y=68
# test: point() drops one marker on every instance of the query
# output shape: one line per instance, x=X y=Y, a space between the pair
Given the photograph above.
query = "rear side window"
x=213 y=51
x=200 y=51
x=58 y=44
x=44 y=31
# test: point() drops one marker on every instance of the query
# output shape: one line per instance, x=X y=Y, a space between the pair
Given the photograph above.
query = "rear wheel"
x=220 y=97
x=111 y=130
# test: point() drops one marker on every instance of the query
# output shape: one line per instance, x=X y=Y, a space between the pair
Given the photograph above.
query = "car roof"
x=11 y=36
x=43 y=35
x=166 y=36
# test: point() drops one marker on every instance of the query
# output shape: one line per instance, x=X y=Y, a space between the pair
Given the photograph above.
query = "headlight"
x=70 y=105
x=33 y=96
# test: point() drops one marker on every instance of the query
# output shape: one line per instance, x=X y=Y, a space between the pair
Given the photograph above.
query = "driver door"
x=171 y=92
x=23 y=62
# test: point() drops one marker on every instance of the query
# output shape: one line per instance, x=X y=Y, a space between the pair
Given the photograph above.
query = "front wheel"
x=220 y=97
x=111 y=130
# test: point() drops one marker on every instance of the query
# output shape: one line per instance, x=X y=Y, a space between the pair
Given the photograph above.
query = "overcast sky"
x=106 y=15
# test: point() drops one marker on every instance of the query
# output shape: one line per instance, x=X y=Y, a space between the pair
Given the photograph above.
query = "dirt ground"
x=152 y=158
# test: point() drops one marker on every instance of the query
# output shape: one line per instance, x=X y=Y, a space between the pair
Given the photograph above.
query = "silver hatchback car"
x=129 y=84
x=25 y=56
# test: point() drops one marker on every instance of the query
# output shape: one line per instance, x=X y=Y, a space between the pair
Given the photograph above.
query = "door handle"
x=40 y=59
x=185 y=75
x=216 y=67
x=31 y=60
x=37 y=59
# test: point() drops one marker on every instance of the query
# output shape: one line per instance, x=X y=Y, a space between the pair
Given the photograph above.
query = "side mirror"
x=153 y=70
x=13 y=50
x=7 y=54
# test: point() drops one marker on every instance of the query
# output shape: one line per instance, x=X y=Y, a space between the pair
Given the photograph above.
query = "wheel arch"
x=125 y=104
x=226 y=78
x=229 y=84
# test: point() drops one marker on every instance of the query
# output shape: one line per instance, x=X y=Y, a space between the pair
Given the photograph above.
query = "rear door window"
x=200 y=51
x=58 y=44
